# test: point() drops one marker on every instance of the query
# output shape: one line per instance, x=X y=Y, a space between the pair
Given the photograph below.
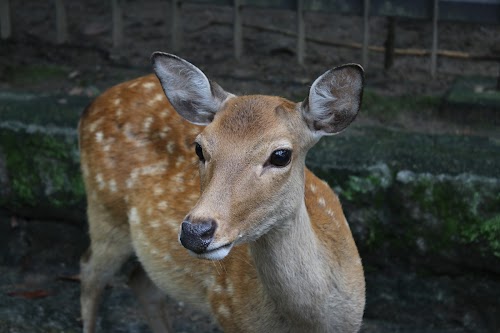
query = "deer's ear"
x=334 y=100
x=189 y=91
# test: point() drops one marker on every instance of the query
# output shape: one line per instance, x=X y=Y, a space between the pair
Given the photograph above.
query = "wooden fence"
x=484 y=11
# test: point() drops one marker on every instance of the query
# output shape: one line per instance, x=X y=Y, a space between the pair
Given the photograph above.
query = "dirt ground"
x=31 y=62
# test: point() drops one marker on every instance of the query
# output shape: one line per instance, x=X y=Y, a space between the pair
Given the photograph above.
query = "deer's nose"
x=197 y=235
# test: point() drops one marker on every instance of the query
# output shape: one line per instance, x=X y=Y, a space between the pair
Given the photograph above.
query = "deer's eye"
x=280 y=157
x=199 y=152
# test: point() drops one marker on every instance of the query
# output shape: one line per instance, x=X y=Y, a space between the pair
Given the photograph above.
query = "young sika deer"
x=287 y=261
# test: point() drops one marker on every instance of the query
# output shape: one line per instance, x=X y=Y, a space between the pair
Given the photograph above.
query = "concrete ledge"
x=473 y=100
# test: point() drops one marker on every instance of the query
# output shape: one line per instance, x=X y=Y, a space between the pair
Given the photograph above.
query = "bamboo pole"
x=117 y=23
x=435 y=18
x=238 y=30
x=175 y=18
x=61 y=22
x=301 y=32
x=366 y=32
x=5 y=25
x=389 y=43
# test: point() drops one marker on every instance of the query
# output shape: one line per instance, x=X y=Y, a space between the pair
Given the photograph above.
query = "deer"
x=211 y=194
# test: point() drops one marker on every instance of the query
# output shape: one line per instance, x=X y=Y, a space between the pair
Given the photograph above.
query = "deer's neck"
x=294 y=270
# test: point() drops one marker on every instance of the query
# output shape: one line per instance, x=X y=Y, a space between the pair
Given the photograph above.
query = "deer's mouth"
x=215 y=253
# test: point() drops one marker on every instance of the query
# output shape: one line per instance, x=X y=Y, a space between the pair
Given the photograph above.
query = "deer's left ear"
x=334 y=100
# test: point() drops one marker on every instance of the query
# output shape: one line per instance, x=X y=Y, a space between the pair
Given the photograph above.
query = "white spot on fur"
x=313 y=188
x=179 y=178
x=148 y=85
x=321 y=201
x=164 y=113
x=330 y=213
x=93 y=126
x=164 y=131
x=119 y=112
x=180 y=161
x=223 y=311
x=156 y=99
x=170 y=147
x=158 y=190
x=153 y=251
x=99 y=136
x=154 y=169
x=100 y=181
x=117 y=101
x=155 y=224
x=218 y=289
x=230 y=288
x=159 y=97
x=133 y=177
x=133 y=216
x=112 y=186
x=140 y=144
x=173 y=223
x=147 y=124
x=162 y=205
x=133 y=84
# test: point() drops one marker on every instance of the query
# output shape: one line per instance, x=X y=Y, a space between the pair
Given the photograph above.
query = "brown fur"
x=141 y=177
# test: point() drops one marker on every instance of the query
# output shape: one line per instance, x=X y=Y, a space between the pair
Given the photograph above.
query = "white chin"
x=215 y=254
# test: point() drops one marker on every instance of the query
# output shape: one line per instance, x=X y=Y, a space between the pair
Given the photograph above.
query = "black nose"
x=197 y=235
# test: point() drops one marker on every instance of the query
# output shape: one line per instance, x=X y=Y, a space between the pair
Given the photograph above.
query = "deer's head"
x=252 y=150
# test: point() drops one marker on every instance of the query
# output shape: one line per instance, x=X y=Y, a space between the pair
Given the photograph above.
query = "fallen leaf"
x=29 y=294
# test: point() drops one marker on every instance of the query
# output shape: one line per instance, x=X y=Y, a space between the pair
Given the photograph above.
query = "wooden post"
x=117 y=23
x=238 y=30
x=435 y=18
x=175 y=18
x=5 y=27
x=389 y=43
x=61 y=26
x=366 y=32
x=301 y=32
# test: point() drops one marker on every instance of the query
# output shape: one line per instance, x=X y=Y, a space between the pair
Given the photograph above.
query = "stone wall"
x=432 y=199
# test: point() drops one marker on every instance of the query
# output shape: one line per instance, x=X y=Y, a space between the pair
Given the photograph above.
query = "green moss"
x=454 y=211
x=489 y=231
x=42 y=168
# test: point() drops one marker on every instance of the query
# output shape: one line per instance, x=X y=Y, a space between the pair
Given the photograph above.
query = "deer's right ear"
x=189 y=91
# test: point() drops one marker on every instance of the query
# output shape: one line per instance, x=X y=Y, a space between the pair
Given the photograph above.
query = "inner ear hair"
x=187 y=88
x=334 y=99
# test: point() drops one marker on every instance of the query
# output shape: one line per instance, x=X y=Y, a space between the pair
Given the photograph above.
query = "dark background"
x=407 y=290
